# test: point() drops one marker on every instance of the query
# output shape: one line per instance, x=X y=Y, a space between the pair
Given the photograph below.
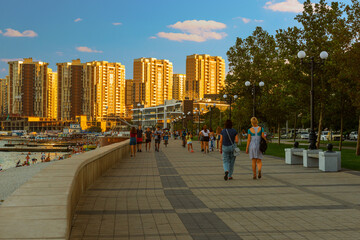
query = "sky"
x=123 y=30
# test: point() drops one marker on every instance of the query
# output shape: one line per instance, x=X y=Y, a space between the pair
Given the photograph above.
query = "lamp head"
x=235 y=97
x=214 y=104
x=225 y=96
x=324 y=55
x=261 y=84
x=301 y=54
x=247 y=83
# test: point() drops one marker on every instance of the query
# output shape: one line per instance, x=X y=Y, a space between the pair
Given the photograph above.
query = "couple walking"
x=228 y=140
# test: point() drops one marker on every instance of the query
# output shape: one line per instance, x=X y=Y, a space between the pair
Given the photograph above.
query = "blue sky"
x=122 y=30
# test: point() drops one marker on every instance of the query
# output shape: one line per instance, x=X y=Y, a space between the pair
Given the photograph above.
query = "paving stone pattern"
x=173 y=194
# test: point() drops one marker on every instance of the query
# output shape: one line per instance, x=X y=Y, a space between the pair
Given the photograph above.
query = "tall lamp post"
x=140 y=111
x=211 y=109
x=323 y=55
x=253 y=93
x=226 y=97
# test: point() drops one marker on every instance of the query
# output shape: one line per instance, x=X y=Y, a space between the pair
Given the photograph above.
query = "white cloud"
x=15 y=33
x=87 y=49
x=3 y=70
x=152 y=37
x=286 y=6
x=78 y=20
x=195 y=30
x=60 y=53
x=6 y=60
x=246 y=20
x=0 y=32
x=117 y=23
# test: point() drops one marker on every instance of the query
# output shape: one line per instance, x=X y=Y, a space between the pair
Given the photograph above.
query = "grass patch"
x=348 y=158
x=335 y=143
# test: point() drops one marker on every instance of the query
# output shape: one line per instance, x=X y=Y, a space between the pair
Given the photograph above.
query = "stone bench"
x=294 y=156
x=330 y=161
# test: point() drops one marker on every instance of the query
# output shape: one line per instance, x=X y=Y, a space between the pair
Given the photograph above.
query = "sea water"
x=9 y=159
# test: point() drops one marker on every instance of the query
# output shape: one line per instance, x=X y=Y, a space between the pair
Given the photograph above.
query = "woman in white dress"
x=253 y=146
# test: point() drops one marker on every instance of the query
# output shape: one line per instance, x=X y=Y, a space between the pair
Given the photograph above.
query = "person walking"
x=189 y=141
x=158 y=133
x=255 y=133
x=183 y=137
x=148 y=135
x=205 y=137
x=139 y=135
x=211 y=140
x=228 y=140
x=166 y=138
x=133 y=134
x=218 y=134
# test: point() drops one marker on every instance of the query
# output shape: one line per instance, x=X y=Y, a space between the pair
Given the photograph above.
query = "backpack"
x=263 y=145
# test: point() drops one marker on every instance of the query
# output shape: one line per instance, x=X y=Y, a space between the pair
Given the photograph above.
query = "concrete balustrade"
x=43 y=208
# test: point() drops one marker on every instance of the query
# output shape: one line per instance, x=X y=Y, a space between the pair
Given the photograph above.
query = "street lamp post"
x=230 y=101
x=312 y=64
x=253 y=92
x=211 y=109
x=140 y=110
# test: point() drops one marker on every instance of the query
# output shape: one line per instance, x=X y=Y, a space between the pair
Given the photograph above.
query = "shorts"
x=148 y=140
x=218 y=137
x=132 y=141
x=139 y=140
x=201 y=138
x=157 y=140
x=189 y=142
x=206 y=139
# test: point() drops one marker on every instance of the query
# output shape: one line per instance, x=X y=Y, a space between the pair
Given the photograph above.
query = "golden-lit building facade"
x=129 y=97
x=3 y=96
x=28 y=88
x=52 y=94
x=109 y=86
x=153 y=81
x=179 y=86
x=70 y=89
x=205 y=74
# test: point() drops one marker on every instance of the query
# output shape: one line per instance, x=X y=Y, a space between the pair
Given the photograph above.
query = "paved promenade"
x=174 y=194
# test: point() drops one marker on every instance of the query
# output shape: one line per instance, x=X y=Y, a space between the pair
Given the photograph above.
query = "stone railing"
x=43 y=208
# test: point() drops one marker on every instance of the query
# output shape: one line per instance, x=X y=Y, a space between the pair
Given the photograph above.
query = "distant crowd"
x=223 y=140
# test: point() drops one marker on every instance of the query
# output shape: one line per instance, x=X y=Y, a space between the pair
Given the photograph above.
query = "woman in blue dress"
x=253 y=146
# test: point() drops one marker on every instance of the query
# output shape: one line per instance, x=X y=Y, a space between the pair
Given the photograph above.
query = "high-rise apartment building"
x=129 y=94
x=71 y=89
x=179 y=86
x=27 y=88
x=205 y=74
x=94 y=89
x=3 y=96
x=109 y=89
x=52 y=94
x=153 y=81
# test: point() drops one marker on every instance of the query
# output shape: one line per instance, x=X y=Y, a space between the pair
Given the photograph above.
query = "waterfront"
x=9 y=159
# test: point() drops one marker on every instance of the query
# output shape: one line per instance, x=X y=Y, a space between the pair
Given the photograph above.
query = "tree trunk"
x=341 y=129
x=358 y=140
x=279 y=133
x=320 y=125
x=295 y=126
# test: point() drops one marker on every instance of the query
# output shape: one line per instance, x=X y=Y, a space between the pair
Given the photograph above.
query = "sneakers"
x=192 y=151
x=259 y=175
x=230 y=178
x=226 y=176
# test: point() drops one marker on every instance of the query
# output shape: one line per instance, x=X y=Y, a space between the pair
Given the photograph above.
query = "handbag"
x=263 y=145
x=236 y=149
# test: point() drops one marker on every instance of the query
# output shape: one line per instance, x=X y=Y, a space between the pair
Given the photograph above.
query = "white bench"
x=330 y=161
x=293 y=156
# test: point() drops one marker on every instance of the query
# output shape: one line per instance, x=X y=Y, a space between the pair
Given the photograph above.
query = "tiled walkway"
x=174 y=194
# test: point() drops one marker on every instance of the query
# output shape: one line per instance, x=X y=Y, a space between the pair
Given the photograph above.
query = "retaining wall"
x=43 y=208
